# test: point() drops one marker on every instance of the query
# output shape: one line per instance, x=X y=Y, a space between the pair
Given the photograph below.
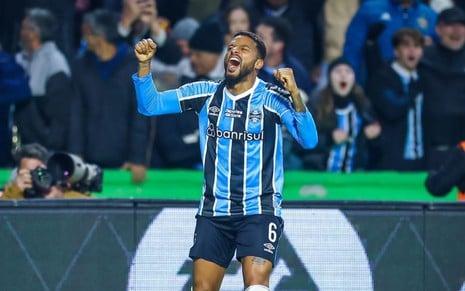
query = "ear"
x=259 y=64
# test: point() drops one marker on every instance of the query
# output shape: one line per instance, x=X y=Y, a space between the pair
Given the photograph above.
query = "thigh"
x=207 y=275
x=213 y=241
x=259 y=236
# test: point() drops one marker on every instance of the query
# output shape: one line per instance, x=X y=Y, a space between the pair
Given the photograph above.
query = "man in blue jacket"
x=376 y=21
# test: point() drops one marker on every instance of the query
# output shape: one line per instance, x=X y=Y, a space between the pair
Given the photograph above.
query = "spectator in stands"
x=397 y=96
x=236 y=18
x=140 y=19
x=337 y=16
x=13 y=88
x=30 y=157
x=306 y=19
x=182 y=32
x=167 y=76
x=106 y=128
x=176 y=136
x=374 y=24
x=443 y=73
x=276 y=33
x=206 y=46
x=44 y=118
x=345 y=121
x=450 y=174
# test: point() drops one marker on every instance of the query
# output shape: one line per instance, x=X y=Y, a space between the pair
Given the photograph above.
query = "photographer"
x=32 y=158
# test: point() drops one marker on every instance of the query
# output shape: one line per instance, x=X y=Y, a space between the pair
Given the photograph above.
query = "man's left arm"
x=299 y=122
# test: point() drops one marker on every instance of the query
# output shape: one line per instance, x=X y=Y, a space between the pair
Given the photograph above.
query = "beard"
x=231 y=81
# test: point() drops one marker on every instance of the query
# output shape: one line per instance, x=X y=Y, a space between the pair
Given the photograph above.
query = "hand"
x=24 y=179
x=138 y=172
x=131 y=12
x=149 y=12
x=54 y=193
x=340 y=136
x=286 y=77
x=372 y=130
x=145 y=50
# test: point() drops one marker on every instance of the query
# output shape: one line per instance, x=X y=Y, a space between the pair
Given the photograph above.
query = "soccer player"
x=240 y=121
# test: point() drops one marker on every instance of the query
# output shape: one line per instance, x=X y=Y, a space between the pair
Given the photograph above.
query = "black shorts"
x=216 y=238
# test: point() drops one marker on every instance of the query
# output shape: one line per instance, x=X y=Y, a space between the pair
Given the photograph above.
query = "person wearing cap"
x=442 y=69
x=206 y=47
x=182 y=32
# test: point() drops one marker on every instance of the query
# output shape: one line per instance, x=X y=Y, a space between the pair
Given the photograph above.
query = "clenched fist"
x=144 y=50
x=286 y=77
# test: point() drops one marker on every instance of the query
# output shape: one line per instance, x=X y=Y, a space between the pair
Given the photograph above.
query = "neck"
x=106 y=51
x=243 y=85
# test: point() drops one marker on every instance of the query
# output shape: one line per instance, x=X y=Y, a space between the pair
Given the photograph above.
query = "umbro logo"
x=268 y=248
x=213 y=110
x=255 y=116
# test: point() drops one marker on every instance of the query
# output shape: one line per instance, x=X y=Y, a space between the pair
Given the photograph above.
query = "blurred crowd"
x=384 y=79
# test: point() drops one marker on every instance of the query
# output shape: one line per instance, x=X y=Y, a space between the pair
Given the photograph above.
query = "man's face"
x=408 y=54
x=203 y=62
x=452 y=35
x=241 y=58
x=342 y=79
x=28 y=34
x=238 y=20
x=266 y=34
x=91 y=39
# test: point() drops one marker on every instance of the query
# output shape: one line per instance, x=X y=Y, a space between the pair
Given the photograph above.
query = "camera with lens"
x=66 y=170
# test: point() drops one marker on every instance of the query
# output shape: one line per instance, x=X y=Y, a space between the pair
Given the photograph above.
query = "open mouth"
x=233 y=63
x=343 y=85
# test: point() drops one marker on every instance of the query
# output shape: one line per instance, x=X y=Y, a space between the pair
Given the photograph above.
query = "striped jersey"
x=240 y=140
x=341 y=156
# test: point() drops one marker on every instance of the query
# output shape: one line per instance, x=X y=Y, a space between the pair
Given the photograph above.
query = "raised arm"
x=286 y=77
x=144 y=51
x=299 y=122
x=149 y=100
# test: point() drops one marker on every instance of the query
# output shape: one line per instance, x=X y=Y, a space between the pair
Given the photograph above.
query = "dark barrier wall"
x=143 y=245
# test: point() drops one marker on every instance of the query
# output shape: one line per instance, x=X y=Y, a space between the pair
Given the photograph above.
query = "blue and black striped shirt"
x=240 y=140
